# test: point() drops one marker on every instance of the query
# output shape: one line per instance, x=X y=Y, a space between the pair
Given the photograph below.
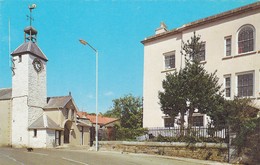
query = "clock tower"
x=29 y=92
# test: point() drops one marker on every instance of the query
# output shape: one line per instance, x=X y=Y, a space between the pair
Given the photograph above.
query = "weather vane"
x=31 y=7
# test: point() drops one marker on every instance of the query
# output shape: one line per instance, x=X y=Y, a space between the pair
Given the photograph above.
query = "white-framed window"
x=169 y=121
x=169 y=60
x=246 y=39
x=197 y=121
x=228 y=46
x=245 y=85
x=227 y=86
x=202 y=52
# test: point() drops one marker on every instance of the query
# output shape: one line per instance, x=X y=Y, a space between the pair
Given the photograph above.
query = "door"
x=66 y=134
x=57 y=138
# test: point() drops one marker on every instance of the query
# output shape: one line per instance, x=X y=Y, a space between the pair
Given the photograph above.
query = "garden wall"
x=204 y=151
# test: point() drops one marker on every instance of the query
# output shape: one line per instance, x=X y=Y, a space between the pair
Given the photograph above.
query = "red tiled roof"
x=101 y=119
x=82 y=114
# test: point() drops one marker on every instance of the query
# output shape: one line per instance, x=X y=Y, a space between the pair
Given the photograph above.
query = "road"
x=12 y=156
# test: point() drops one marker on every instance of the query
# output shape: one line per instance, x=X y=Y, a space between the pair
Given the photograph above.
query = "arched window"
x=246 y=39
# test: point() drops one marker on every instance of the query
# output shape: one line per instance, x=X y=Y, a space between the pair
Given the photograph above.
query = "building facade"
x=231 y=46
x=28 y=118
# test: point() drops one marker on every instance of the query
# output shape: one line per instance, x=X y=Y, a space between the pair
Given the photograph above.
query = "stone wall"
x=204 y=151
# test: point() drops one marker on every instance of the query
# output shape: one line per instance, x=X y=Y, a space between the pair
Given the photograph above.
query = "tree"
x=192 y=88
x=241 y=116
x=129 y=110
x=172 y=99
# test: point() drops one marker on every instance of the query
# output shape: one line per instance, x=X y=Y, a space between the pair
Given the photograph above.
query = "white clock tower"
x=28 y=86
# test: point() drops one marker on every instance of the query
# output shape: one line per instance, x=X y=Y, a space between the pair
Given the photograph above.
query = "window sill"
x=245 y=54
x=168 y=70
x=240 y=55
x=227 y=57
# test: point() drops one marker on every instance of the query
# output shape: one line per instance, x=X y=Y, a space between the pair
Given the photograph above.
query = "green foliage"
x=129 y=110
x=192 y=84
x=128 y=133
x=242 y=118
x=191 y=49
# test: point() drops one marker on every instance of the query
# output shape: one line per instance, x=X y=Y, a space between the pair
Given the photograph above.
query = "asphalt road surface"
x=12 y=156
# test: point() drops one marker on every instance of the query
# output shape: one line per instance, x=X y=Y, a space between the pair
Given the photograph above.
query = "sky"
x=115 y=28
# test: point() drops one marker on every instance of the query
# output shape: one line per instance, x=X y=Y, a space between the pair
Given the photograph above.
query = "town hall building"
x=28 y=118
x=231 y=45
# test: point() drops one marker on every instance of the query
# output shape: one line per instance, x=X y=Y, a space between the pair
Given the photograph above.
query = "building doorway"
x=67 y=128
x=57 y=137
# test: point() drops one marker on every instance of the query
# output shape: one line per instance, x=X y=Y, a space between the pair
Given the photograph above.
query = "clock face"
x=37 y=64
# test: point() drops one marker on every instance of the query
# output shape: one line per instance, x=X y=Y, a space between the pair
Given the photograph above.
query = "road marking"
x=11 y=158
x=71 y=160
x=36 y=153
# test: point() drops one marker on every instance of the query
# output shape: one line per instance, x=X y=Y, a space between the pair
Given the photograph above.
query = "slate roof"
x=31 y=30
x=57 y=102
x=5 y=93
x=203 y=21
x=31 y=48
x=44 y=122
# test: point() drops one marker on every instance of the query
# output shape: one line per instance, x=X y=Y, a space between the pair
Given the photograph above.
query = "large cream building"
x=231 y=46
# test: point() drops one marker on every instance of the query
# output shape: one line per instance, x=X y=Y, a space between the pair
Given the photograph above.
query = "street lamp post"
x=96 y=51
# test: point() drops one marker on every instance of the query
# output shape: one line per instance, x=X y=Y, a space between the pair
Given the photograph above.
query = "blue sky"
x=115 y=28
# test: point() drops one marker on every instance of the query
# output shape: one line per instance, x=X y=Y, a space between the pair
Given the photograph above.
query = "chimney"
x=161 y=29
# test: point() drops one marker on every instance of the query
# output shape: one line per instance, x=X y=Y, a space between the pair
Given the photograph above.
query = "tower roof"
x=31 y=30
x=31 y=48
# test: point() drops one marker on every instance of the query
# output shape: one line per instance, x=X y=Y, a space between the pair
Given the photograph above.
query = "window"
x=245 y=85
x=169 y=60
x=35 y=133
x=66 y=113
x=228 y=46
x=201 y=54
x=246 y=39
x=57 y=137
x=168 y=121
x=227 y=86
x=72 y=114
x=197 y=121
x=20 y=58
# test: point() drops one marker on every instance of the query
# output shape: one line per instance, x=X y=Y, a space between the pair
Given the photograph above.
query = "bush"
x=128 y=133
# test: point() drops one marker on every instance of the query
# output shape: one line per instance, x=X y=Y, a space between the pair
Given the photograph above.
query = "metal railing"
x=201 y=133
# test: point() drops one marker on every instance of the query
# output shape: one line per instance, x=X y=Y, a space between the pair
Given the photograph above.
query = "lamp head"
x=83 y=42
